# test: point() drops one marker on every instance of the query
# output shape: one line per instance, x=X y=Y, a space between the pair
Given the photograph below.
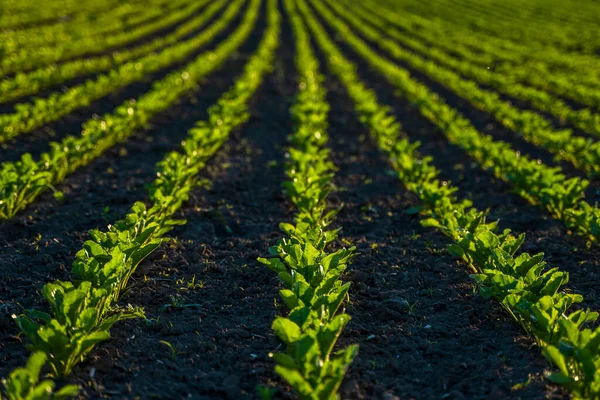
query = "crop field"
x=299 y=199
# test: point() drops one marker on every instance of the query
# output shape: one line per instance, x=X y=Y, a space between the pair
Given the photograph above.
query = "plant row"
x=565 y=84
x=560 y=18
x=577 y=38
x=22 y=181
x=536 y=182
x=26 y=59
x=518 y=58
x=308 y=270
x=583 y=153
x=583 y=87
x=28 y=13
x=588 y=12
x=533 y=294
x=119 y=18
x=30 y=116
x=504 y=81
x=530 y=12
x=28 y=83
x=83 y=311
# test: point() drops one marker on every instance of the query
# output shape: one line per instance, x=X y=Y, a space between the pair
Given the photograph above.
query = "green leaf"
x=556 y=357
x=559 y=379
x=587 y=360
x=67 y=392
x=289 y=298
x=456 y=250
x=328 y=336
x=489 y=239
x=296 y=380
x=286 y=330
x=285 y=360
x=35 y=363
x=414 y=210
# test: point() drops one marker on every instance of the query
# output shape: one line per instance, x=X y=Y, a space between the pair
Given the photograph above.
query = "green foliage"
x=29 y=116
x=533 y=180
x=308 y=365
x=532 y=293
x=110 y=18
x=582 y=152
x=83 y=311
x=22 y=181
x=25 y=58
x=313 y=290
x=545 y=68
x=24 y=383
x=81 y=319
x=27 y=83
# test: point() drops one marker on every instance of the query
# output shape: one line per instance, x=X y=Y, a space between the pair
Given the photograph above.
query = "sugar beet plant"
x=25 y=59
x=28 y=83
x=24 y=383
x=122 y=17
x=32 y=115
x=548 y=187
x=31 y=14
x=516 y=62
x=310 y=274
x=83 y=311
x=529 y=291
x=582 y=152
x=22 y=181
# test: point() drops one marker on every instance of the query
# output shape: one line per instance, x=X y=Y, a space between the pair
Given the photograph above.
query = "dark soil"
x=423 y=330
x=544 y=233
x=9 y=107
x=38 y=245
x=108 y=50
x=56 y=19
x=487 y=123
x=223 y=336
x=36 y=142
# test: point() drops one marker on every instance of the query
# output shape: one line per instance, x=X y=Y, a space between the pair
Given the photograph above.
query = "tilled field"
x=299 y=199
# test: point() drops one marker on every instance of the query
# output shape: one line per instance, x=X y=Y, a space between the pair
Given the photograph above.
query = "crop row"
x=532 y=294
x=516 y=66
x=26 y=13
x=22 y=181
x=28 y=83
x=536 y=182
x=511 y=58
x=26 y=60
x=83 y=311
x=309 y=272
x=582 y=152
x=30 y=116
x=573 y=38
x=529 y=11
x=119 y=18
x=506 y=80
x=587 y=11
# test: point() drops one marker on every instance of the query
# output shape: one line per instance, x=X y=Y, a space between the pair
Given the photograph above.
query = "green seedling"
x=265 y=392
x=172 y=349
x=190 y=285
x=178 y=303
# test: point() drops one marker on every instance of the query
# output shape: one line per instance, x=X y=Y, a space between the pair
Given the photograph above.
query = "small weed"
x=265 y=392
x=411 y=306
x=174 y=351
x=178 y=303
x=189 y=285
